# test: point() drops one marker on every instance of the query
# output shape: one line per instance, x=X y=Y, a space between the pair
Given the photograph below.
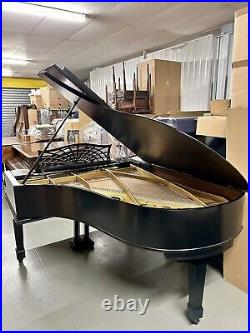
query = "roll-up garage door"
x=11 y=98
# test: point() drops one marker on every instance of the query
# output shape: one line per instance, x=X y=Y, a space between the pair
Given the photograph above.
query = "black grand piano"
x=183 y=199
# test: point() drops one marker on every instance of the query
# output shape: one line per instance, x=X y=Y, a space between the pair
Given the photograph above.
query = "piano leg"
x=81 y=242
x=197 y=274
x=18 y=230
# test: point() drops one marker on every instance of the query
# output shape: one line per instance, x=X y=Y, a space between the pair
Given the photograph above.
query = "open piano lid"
x=154 y=142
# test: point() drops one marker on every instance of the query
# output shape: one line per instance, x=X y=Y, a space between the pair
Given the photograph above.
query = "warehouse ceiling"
x=111 y=32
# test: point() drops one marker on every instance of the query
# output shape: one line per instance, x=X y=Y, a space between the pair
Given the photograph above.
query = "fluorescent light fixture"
x=10 y=61
x=6 y=72
x=41 y=10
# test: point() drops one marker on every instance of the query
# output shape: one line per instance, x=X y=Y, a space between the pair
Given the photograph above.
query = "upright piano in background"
x=183 y=199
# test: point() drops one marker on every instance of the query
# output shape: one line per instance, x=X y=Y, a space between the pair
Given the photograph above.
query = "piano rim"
x=147 y=207
x=189 y=254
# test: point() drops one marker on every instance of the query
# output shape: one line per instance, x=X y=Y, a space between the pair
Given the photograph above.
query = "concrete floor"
x=57 y=289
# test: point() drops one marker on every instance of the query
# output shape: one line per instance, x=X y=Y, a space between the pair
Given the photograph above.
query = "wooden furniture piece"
x=7 y=148
x=26 y=116
x=165 y=84
x=23 y=155
x=131 y=101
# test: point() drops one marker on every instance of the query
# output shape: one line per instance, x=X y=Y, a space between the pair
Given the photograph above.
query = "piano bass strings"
x=135 y=186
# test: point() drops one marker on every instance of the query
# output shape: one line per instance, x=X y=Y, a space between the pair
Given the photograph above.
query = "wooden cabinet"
x=165 y=84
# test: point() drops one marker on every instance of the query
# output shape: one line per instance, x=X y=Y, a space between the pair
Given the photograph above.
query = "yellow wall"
x=16 y=82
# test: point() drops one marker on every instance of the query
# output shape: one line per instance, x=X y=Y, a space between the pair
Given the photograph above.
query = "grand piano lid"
x=154 y=142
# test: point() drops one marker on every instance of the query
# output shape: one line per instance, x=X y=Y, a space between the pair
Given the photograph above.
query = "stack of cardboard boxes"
x=231 y=122
x=36 y=99
x=236 y=259
x=215 y=124
x=48 y=97
x=52 y=99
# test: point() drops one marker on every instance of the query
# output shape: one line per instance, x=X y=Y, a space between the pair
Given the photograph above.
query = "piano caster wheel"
x=84 y=243
x=194 y=315
x=20 y=255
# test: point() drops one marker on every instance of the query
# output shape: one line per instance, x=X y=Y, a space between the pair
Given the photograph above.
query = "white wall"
x=223 y=46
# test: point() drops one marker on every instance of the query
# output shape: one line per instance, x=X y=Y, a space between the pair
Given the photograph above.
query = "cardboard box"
x=235 y=264
x=37 y=100
x=239 y=93
x=32 y=117
x=26 y=138
x=165 y=84
x=214 y=126
x=219 y=107
x=7 y=153
x=84 y=121
x=53 y=100
x=237 y=139
x=240 y=46
x=70 y=125
x=235 y=261
x=181 y=114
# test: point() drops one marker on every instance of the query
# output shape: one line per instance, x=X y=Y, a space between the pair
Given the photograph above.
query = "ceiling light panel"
x=42 y=11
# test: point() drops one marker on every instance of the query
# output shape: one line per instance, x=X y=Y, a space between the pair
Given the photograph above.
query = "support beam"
x=123 y=187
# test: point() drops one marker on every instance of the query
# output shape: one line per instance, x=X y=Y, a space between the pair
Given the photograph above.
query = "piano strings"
x=135 y=186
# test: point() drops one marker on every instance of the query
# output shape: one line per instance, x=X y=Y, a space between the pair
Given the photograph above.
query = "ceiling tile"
x=97 y=30
x=83 y=60
x=19 y=23
x=7 y=52
x=204 y=23
x=30 y=54
x=116 y=19
x=102 y=51
x=12 y=39
x=93 y=8
x=131 y=12
x=132 y=34
x=149 y=43
x=70 y=47
x=180 y=13
x=236 y=5
x=39 y=43
x=58 y=29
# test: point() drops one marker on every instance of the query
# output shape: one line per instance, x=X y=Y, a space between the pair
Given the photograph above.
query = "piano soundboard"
x=136 y=186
